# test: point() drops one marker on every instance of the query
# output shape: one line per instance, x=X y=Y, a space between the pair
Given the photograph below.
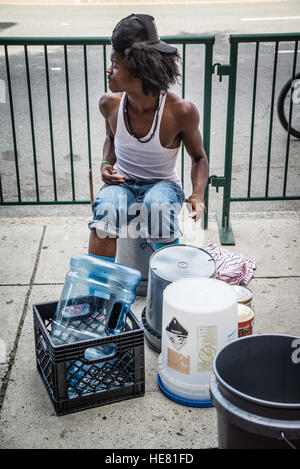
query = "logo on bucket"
x=177 y=334
x=207 y=347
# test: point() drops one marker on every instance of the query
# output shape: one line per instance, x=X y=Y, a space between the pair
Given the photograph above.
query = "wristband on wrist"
x=105 y=162
x=197 y=196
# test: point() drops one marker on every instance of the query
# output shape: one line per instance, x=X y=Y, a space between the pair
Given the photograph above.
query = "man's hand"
x=110 y=175
x=196 y=208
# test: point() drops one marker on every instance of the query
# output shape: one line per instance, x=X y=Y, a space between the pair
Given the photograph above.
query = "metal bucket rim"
x=176 y=246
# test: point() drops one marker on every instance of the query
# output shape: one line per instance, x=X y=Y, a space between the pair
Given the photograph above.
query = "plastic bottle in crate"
x=94 y=303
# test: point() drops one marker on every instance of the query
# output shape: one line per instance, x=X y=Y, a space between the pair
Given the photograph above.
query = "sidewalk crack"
x=21 y=322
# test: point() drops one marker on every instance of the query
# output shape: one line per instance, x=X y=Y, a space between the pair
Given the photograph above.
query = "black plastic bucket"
x=256 y=391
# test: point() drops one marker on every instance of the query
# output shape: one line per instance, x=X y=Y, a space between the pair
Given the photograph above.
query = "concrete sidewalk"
x=35 y=257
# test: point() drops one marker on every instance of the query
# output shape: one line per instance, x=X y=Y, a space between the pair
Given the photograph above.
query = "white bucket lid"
x=199 y=295
x=174 y=262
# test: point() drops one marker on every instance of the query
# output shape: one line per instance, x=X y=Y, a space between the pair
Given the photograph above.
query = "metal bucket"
x=135 y=253
x=167 y=265
x=256 y=392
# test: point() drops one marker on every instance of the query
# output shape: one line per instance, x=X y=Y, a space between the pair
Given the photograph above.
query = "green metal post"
x=32 y=125
x=271 y=119
x=50 y=122
x=13 y=127
x=286 y=166
x=208 y=71
x=104 y=68
x=86 y=81
x=225 y=231
x=253 y=118
x=69 y=121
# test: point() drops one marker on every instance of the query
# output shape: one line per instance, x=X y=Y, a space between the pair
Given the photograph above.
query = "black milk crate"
x=74 y=383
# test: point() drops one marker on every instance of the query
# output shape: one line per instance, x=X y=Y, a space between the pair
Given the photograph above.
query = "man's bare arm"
x=194 y=145
x=109 y=174
x=109 y=146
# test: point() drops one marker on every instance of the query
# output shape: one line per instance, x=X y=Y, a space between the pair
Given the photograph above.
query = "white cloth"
x=233 y=268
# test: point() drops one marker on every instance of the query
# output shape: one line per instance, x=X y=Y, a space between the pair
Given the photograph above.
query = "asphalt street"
x=73 y=19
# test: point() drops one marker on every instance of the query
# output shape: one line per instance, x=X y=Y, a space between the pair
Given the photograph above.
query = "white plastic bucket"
x=200 y=316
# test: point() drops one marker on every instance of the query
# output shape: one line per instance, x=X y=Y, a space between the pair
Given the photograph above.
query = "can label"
x=245 y=319
x=206 y=347
x=179 y=362
x=177 y=334
x=246 y=328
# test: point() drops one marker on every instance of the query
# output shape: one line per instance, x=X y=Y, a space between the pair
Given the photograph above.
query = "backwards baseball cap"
x=138 y=28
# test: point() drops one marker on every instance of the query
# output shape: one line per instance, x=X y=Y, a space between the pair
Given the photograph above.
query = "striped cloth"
x=233 y=268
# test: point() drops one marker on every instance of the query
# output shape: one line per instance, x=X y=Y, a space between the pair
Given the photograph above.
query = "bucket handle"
x=287 y=441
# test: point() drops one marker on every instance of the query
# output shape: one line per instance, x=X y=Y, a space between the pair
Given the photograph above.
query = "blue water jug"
x=95 y=300
x=94 y=303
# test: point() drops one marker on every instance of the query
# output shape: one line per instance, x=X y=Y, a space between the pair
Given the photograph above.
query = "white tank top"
x=148 y=160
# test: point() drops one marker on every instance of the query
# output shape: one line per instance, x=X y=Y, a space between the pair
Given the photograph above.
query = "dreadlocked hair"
x=156 y=70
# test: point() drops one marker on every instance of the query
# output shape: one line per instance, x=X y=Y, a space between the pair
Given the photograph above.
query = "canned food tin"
x=244 y=294
x=245 y=320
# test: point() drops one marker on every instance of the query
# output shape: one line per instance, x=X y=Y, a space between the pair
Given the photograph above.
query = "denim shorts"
x=138 y=208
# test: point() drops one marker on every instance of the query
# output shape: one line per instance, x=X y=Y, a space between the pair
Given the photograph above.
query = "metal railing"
x=226 y=234
x=10 y=129
x=45 y=43
x=18 y=72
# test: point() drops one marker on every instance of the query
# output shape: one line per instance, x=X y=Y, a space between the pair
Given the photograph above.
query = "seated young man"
x=145 y=125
